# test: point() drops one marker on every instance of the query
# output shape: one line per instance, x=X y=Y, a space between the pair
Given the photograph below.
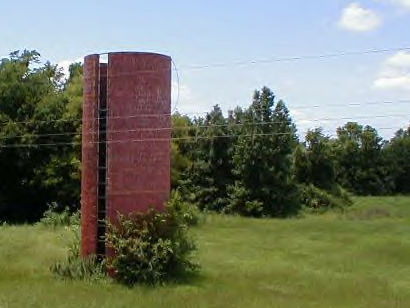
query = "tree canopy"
x=249 y=161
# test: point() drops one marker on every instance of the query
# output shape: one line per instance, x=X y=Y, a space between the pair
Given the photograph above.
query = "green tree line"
x=249 y=162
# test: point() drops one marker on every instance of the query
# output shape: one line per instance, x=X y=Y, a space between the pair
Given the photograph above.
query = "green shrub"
x=186 y=211
x=342 y=194
x=76 y=267
x=54 y=218
x=150 y=248
x=318 y=199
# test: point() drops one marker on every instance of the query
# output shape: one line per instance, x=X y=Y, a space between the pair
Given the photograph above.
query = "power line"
x=40 y=121
x=281 y=59
x=195 y=127
x=178 y=85
x=140 y=140
x=297 y=58
x=278 y=59
x=205 y=137
x=274 y=59
x=300 y=107
x=30 y=145
x=402 y=101
x=186 y=138
x=392 y=102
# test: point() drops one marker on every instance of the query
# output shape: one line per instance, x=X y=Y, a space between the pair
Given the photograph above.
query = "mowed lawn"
x=360 y=258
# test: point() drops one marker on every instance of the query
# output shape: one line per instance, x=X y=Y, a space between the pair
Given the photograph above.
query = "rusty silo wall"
x=126 y=140
x=89 y=179
x=139 y=104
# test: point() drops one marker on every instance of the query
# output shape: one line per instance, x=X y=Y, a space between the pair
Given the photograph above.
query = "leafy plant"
x=150 y=247
x=77 y=267
x=318 y=199
x=54 y=218
x=187 y=212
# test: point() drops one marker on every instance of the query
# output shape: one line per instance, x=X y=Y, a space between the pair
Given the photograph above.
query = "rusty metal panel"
x=139 y=106
x=126 y=140
x=89 y=180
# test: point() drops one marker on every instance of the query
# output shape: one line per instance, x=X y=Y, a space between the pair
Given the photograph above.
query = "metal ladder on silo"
x=102 y=170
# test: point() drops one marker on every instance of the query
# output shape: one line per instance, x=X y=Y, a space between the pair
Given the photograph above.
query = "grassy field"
x=360 y=258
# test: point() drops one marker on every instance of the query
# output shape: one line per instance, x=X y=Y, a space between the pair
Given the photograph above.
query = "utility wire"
x=140 y=140
x=195 y=127
x=185 y=138
x=277 y=59
x=178 y=86
x=297 y=58
x=40 y=121
x=392 y=102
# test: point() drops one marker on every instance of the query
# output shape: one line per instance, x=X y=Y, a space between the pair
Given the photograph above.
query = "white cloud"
x=356 y=18
x=398 y=82
x=186 y=102
x=399 y=60
x=65 y=65
x=181 y=96
x=395 y=73
x=403 y=3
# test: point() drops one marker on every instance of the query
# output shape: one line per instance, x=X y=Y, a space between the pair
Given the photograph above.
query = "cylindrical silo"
x=126 y=164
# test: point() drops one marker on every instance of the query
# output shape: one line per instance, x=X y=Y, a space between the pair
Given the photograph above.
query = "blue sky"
x=208 y=32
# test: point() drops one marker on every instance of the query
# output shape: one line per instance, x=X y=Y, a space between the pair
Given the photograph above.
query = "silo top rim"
x=130 y=53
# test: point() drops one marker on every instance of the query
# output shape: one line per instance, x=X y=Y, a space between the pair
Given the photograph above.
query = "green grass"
x=359 y=258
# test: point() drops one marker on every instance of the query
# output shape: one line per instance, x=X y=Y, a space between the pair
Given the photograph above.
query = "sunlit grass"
x=360 y=258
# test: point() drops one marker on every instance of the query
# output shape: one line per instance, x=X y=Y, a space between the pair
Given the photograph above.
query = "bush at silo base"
x=150 y=248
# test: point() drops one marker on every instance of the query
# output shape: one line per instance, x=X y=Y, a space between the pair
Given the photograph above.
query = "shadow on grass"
x=193 y=279
x=370 y=213
x=196 y=278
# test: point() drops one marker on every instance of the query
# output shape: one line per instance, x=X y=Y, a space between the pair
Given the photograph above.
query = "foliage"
x=248 y=162
x=55 y=218
x=150 y=247
x=186 y=212
x=180 y=149
x=262 y=160
x=318 y=199
x=397 y=157
x=33 y=103
x=360 y=164
x=211 y=170
x=313 y=162
x=314 y=169
x=77 y=267
x=179 y=164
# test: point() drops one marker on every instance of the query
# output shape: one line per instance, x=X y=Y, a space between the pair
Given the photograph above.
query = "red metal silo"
x=126 y=162
x=89 y=177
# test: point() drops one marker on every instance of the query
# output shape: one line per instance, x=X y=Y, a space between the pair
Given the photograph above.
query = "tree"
x=397 y=155
x=313 y=162
x=180 y=148
x=210 y=174
x=32 y=112
x=360 y=165
x=314 y=170
x=262 y=160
